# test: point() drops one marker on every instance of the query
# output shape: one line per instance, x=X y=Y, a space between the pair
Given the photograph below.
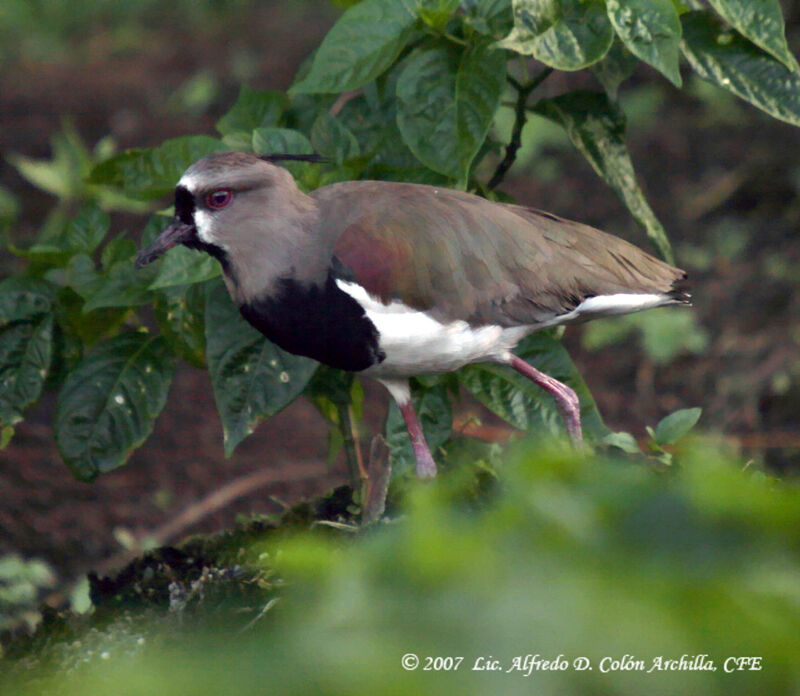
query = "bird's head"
x=224 y=202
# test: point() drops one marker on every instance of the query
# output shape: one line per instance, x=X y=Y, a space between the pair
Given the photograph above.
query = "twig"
x=523 y=92
x=343 y=98
x=351 y=449
x=379 y=473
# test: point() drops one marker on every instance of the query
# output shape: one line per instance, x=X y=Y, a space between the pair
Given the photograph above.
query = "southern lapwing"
x=394 y=280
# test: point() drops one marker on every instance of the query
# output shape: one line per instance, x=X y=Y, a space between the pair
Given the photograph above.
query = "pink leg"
x=426 y=467
x=566 y=399
x=400 y=390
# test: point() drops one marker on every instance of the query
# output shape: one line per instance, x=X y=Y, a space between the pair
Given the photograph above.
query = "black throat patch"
x=185 y=208
x=319 y=322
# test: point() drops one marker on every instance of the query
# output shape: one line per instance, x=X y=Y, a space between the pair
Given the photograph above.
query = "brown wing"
x=463 y=257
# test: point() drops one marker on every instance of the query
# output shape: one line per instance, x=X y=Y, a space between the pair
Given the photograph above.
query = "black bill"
x=177 y=233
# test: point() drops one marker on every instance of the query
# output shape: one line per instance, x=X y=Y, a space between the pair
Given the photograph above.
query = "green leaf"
x=730 y=61
x=253 y=109
x=760 y=21
x=624 y=441
x=616 y=67
x=331 y=138
x=118 y=249
x=281 y=140
x=154 y=172
x=293 y=142
x=251 y=377
x=436 y=13
x=86 y=231
x=180 y=313
x=108 y=404
x=121 y=285
x=184 y=266
x=597 y=128
x=666 y=333
x=522 y=403
x=26 y=344
x=488 y=17
x=24 y=298
x=676 y=425
x=362 y=44
x=81 y=235
x=446 y=104
x=564 y=34
x=435 y=414
x=651 y=29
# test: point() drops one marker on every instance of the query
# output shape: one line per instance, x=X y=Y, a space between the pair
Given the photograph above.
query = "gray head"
x=246 y=212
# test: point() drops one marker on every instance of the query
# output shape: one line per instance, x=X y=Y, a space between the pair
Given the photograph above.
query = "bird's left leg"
x=565 y=397
x=401 y=391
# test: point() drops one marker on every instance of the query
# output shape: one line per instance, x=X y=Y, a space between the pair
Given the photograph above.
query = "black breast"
x=320 y=322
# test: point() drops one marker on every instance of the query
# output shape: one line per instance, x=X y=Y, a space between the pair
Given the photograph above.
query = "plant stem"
x=351 y=449
x=523 y=92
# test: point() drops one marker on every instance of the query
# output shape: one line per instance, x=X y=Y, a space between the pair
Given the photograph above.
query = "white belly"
x=415 y=343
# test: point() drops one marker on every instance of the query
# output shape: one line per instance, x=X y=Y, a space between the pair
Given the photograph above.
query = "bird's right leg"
x=401 y=392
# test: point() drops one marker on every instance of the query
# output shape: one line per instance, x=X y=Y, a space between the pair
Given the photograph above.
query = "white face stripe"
x=204 y=223
x=203 y=220
x=190 y=182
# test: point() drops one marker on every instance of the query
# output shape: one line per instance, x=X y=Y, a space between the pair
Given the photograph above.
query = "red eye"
x=219 y=198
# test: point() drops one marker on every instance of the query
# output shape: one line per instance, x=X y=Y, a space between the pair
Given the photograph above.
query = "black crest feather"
x=286 y=157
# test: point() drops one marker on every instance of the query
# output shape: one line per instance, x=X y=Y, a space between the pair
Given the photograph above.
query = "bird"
x=396 y=280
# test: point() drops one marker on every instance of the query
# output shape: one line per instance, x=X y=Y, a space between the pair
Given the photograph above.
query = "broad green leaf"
x=446 y=103
x=435 y=414
x=251 y=377
x=676 y=425
x=597 y=128
x=436 y=13
x=331 y=138
x=730 y=61
x=524 y=404
x=651 y=29
x=253 y=109
x=761 y=21
x=292 y=142
x=281 y=140
x=25 y=355
x=362 y=44
x=26 y=344
x=564 y=34
x=154 y=172
x=121 y=285
x=184 y=266
x=666 y=333
x=24 y=298
x=624 y=441
x=107 y=406
x=180 y=312
x=86 y=231
x=82 y=235
x=118 y=249
x=488 y=17
x=616 y=67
